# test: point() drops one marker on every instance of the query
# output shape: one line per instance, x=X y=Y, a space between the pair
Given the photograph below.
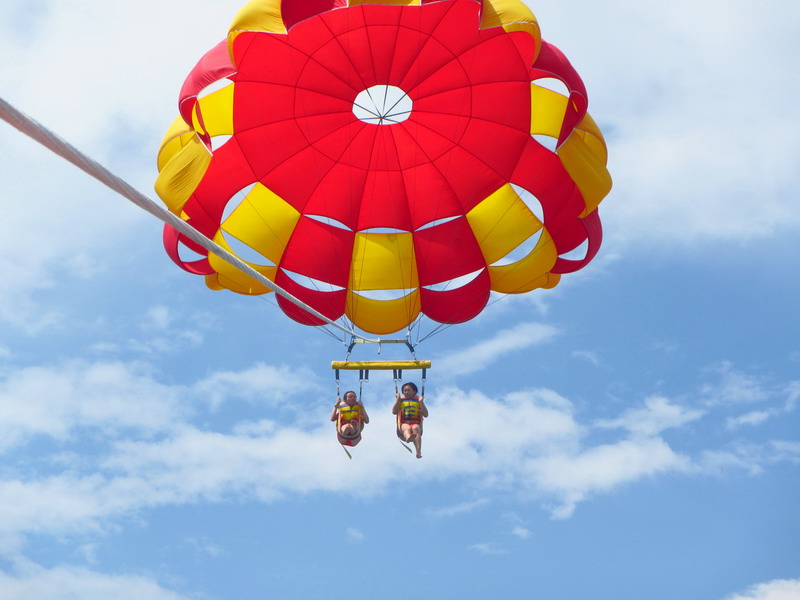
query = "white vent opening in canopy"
x=382 y=105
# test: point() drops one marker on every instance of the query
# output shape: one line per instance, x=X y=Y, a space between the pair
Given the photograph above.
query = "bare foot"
x=419 y=455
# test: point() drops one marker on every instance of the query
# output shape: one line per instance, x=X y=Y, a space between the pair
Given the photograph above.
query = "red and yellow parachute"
x=389 y=158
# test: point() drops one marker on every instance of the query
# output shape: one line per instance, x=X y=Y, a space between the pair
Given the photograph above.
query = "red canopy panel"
x=446 y=251
x=458 y=305
x=320 y=251
x=330 y=304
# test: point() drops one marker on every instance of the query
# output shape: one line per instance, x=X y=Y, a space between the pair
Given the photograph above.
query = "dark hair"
x=349 y=392
x=412 y=384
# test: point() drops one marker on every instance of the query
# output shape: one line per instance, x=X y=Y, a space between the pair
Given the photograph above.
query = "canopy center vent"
x=382 y=105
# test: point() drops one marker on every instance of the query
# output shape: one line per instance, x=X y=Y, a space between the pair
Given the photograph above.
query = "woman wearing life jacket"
x=410 y=410
x=350 y=417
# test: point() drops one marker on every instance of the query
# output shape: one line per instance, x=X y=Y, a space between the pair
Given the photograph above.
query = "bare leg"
x=416 y=436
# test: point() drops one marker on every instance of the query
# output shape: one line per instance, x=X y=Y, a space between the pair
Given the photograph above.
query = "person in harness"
x=350 y=417
x=410 y=410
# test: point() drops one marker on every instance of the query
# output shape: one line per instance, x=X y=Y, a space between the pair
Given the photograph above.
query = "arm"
x=396 y=406
x=423 y=410
x=335 y=411
x=364 y=415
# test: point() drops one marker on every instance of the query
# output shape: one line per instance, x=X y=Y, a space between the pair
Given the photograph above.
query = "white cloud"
x=157 y=317
x=529 y=443
x=484 y=353
x=748 y=457
x=539 y=452
x=166 y=332
x=204 y=545
x=488 y=548
x=587 y=355
x=188 y=464
x=688 y=167
x=61 y=583
x=59 y=223
x=54 y=401
x=260 y=383
x=60 y=227
x=779 y=589
x=354 y=534
x=571 y=478
x=658 y=414
x=786 y=450
x=720 y=462
x=665 y=346
x=457 y=509
x=792 y=395
x=752 y=418
x=780 y=451
x=521 y=532
x=88 y=552
x=518 y=528
x=171 y=343
x=734 y=387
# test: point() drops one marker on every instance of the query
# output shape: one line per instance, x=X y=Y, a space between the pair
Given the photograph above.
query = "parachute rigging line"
x=57 y=145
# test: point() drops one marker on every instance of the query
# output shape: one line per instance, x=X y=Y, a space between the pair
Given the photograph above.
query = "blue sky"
x=632 y=433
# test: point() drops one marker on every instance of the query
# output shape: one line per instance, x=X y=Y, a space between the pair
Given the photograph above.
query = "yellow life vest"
x=347 y=412
x=410 y=410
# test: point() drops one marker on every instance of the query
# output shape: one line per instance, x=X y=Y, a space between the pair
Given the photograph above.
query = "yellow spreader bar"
x=380 y=365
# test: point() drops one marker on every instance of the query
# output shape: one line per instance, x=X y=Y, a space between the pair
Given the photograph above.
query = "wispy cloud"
x=657 y=415
x=587 y=355
x=488 y=548
x=484 y=353
x=748 y=457
x=756 y=417
x=571 y=478
x=518 y=528
x=778 y=589
x=792 y=391
x=354 y=534
x=157 y=317
x=260 y=383
x=521 y=532
x=665 y=346
x=204 y=545
x=734 y=387
x=458 y=509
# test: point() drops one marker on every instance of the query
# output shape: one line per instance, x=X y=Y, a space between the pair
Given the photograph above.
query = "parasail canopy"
x=384 y=160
